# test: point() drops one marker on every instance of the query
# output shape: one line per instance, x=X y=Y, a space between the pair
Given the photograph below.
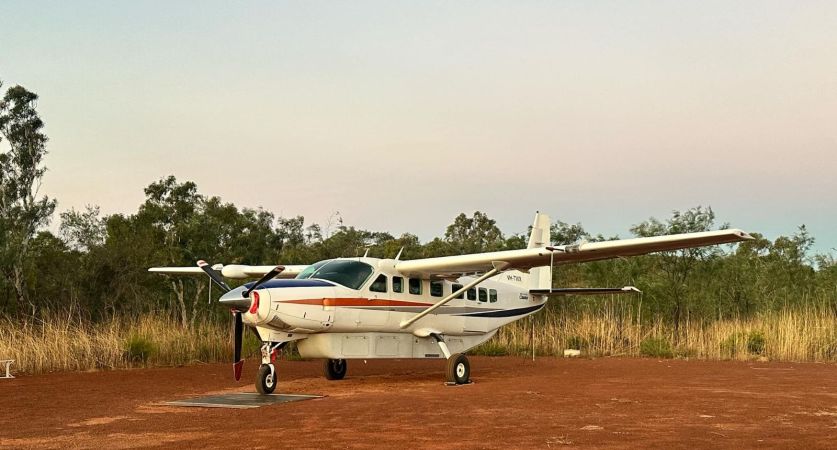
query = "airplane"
x=430 y=308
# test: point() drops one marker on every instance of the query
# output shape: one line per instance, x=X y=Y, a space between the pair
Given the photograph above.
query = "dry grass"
x=789 y=335
x=63 y=343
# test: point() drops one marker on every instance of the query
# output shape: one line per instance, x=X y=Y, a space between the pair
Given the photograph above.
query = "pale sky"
x=402 y=114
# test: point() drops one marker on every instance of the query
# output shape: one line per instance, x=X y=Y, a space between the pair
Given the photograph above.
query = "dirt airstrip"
x=513 y=403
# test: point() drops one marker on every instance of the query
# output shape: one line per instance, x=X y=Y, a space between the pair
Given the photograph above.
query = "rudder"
x=540 y=277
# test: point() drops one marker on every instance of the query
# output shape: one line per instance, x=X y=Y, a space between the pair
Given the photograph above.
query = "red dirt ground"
x=513 y=403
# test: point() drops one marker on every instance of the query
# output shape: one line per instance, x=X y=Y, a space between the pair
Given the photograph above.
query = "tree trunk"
x=195 y=302
x=178 y=288
x=19 y=283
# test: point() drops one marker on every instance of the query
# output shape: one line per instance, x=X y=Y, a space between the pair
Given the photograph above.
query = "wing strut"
x=499 y=266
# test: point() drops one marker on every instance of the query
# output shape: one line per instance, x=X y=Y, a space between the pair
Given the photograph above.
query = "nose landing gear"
x=266 y=379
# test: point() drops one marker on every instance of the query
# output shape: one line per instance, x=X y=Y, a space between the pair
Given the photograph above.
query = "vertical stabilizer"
x=540 y=277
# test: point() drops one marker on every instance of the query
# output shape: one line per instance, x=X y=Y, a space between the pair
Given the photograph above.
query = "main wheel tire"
x=265 y=381
x=335 y=369
x=459 y=369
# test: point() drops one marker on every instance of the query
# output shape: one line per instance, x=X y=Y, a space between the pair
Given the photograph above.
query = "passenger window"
x=483 y=295
x=455 y=288
x=380 y=284
x=415 y=286
x=397 y=284
x=472 y=294
x=436 y=288
x=492 y=295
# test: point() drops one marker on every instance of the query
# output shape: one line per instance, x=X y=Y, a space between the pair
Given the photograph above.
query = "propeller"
x=214 y=275
x=238 y=330
x=238 y=324
x=267 y=277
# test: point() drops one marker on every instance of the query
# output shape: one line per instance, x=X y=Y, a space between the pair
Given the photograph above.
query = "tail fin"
x=540 y=277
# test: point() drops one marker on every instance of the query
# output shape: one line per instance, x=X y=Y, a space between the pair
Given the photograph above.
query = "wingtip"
x=745 y=235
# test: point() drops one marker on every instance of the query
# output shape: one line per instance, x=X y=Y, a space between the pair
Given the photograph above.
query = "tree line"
x=95 y=265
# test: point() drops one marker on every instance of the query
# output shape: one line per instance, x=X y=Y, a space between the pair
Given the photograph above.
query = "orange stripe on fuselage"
x=354 y=302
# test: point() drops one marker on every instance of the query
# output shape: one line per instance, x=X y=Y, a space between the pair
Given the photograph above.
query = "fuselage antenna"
x=399 y=253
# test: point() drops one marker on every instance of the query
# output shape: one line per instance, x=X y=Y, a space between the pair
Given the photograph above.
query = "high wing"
x=566 y=254
x=232 y=271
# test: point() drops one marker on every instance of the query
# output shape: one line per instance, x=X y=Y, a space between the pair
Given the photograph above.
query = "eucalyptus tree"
x=675 y=268
x=23 y=211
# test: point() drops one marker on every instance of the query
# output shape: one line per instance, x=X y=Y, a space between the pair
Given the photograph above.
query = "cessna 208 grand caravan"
x=367 y=308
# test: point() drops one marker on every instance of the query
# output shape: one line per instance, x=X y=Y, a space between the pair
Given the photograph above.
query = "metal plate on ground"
x=241 y=400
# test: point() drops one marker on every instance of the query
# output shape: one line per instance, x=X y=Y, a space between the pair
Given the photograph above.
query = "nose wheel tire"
x=459 y=369
x=334 y=369
x=266 y=380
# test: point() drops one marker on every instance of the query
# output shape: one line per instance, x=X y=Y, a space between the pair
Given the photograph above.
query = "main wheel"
x=265 y=380
x=459 y=369
x=334 y=369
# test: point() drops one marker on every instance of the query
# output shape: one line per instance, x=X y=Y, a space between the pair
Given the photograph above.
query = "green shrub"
x=755 y=342
x=138 y=349
x=656 y=347
x=729 y=346
x=490 y=349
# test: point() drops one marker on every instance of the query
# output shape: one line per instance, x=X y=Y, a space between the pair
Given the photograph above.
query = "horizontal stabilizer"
x=585 y=291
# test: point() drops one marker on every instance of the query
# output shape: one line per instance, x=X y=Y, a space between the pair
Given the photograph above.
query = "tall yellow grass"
x=808 y=334
x=62 y=343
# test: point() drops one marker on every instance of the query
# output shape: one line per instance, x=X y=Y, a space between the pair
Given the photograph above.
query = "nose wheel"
x=334 y=369
x=266 y=379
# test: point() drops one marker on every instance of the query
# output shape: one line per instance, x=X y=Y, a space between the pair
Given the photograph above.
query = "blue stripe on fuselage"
x=291 y=283
x=506 y=312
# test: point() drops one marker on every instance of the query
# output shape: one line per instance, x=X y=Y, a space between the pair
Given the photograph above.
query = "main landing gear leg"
x=458 y=369
x=266 y=377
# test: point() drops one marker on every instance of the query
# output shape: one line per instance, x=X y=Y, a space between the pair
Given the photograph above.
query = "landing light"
x=254 y=306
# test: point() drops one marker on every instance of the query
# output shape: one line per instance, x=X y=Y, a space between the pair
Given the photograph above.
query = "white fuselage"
x=334 y=321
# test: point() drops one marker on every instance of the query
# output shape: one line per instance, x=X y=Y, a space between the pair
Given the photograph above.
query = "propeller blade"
x=267 y=277
x=238 y=331
x=214 y=275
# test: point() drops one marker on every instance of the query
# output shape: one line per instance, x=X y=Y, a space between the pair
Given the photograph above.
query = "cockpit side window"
x=380 y=284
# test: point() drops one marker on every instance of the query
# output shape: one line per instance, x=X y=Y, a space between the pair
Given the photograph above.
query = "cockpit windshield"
x=351 y=274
